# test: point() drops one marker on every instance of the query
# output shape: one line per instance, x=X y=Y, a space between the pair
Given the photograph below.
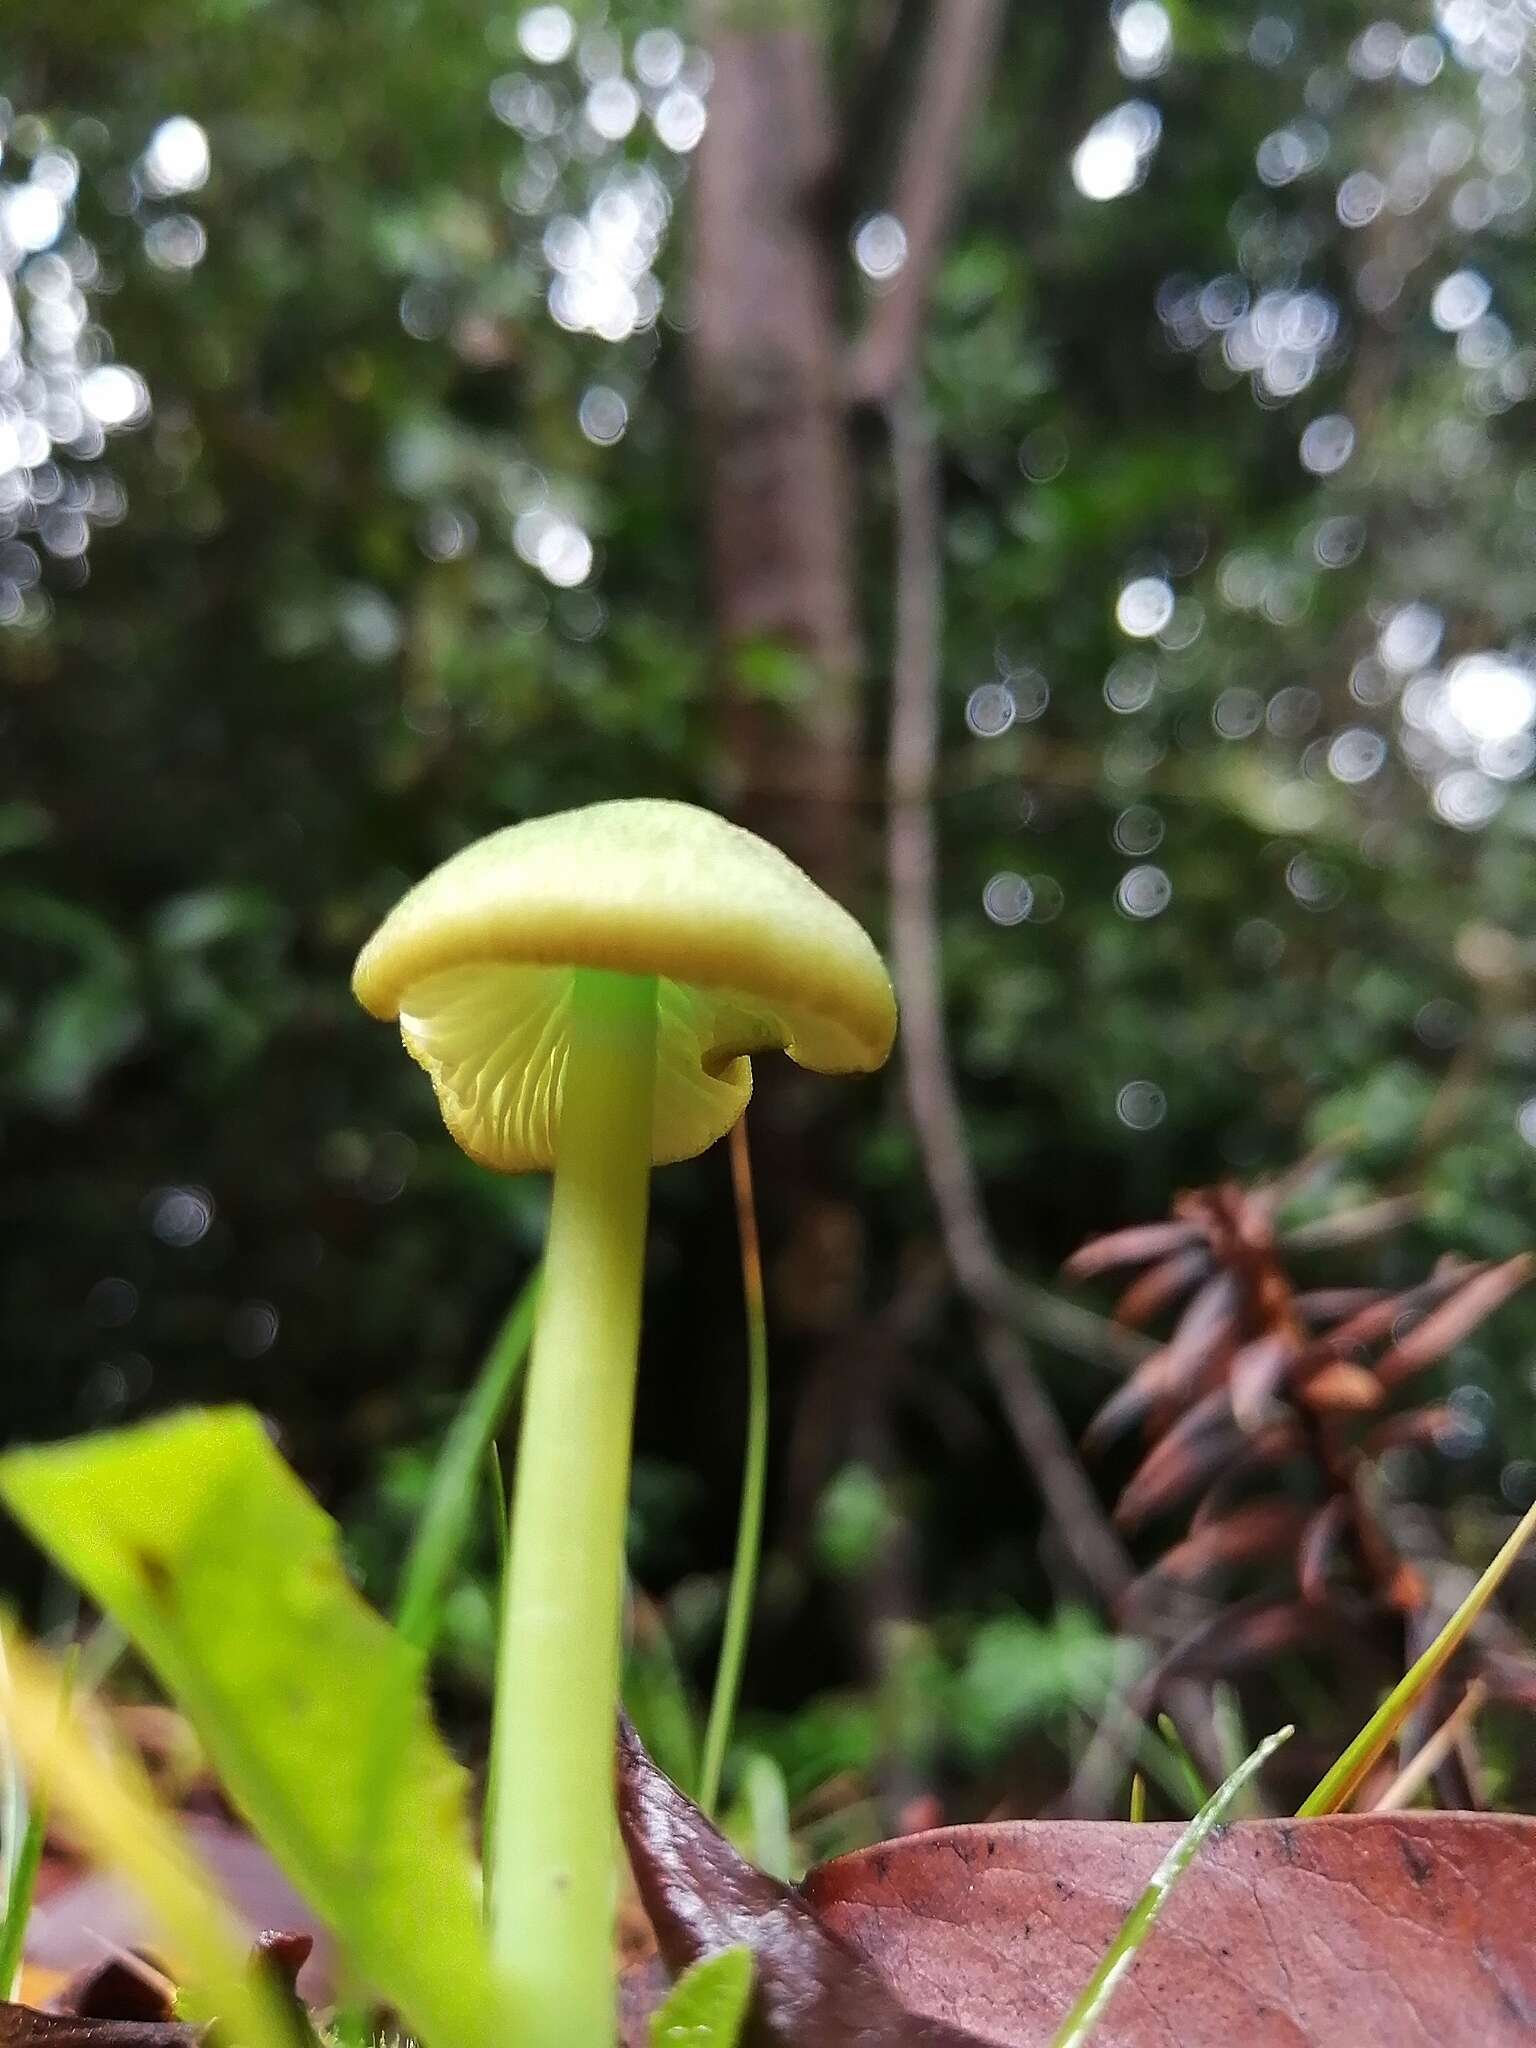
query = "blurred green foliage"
x=309 y=659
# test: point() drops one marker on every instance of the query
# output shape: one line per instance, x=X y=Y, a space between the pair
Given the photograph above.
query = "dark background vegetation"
x=1231 y=864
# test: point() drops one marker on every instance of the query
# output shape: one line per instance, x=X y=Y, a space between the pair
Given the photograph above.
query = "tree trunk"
x=768 y=365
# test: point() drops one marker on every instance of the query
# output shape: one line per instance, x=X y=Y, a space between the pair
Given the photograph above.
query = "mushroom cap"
x=477 y=962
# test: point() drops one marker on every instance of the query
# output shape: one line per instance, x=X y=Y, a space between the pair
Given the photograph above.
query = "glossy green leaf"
x=708 y=2005
x=202 y=1544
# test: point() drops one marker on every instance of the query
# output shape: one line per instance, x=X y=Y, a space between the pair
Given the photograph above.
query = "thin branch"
x=1421 y=1767
x=962 y=35
x=997 y=1299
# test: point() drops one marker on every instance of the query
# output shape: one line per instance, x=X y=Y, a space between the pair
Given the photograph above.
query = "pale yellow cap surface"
x=477 y=961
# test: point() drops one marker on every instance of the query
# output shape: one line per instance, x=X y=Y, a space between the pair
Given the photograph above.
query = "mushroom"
x=584 y=991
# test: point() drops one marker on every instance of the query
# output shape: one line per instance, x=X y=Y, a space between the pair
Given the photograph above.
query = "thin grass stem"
x=749 y=1527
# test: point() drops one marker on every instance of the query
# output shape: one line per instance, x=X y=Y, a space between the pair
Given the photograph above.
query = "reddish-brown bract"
x=1261 y=1415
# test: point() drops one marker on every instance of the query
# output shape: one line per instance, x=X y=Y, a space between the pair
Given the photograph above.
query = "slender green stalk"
x=1232 y=1743
x=1122 y=1952
x=26 y=1831
x=13 y=1807
x=496 y=1480
x=558 y=1667
x=767 y=1798
x=18 y=1909
x=749 y=1526
x=443 y=1523
x=1196 y=1791
x=1341 y=1784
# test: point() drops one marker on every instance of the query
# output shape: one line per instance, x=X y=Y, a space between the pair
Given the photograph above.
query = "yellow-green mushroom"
x=585 y=991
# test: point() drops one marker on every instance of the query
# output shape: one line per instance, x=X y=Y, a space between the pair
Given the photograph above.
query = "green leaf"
x=708 y=2005
x=202 y=917
x=195 y=1536
x=1139 y=1922
x=82 y=1029
x=23 y=825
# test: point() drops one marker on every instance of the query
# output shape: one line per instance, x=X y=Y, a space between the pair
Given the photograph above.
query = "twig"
x=994 y=1296
x=962 y=35
x=1425 y=1761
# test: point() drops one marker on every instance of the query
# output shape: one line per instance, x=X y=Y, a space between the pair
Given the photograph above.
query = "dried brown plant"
x=1264 y=1413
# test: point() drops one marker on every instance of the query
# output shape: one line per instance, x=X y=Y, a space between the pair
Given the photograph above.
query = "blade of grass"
x=657 y=1696
x=1195 y=1787
x=113 y=1813
x=18 y=1900
x=1138 y=1797
x=24 y=1864
x=1344 y=1780
x=1138 y=1924
x=749 y=1527
x=1162 y=1769
x=13 y=1806
x=767 y=1802
x=1232 y=1742
x=497 y=1480
x=444 y=1521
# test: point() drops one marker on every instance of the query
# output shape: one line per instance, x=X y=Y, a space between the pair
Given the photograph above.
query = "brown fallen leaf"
x=23 y=2026
x=1360 y=1931
x=810 y=1989
x=129 y=1986
x=90 y=1917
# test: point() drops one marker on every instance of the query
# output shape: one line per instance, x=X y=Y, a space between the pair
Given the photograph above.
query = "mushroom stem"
x=552 y=1821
